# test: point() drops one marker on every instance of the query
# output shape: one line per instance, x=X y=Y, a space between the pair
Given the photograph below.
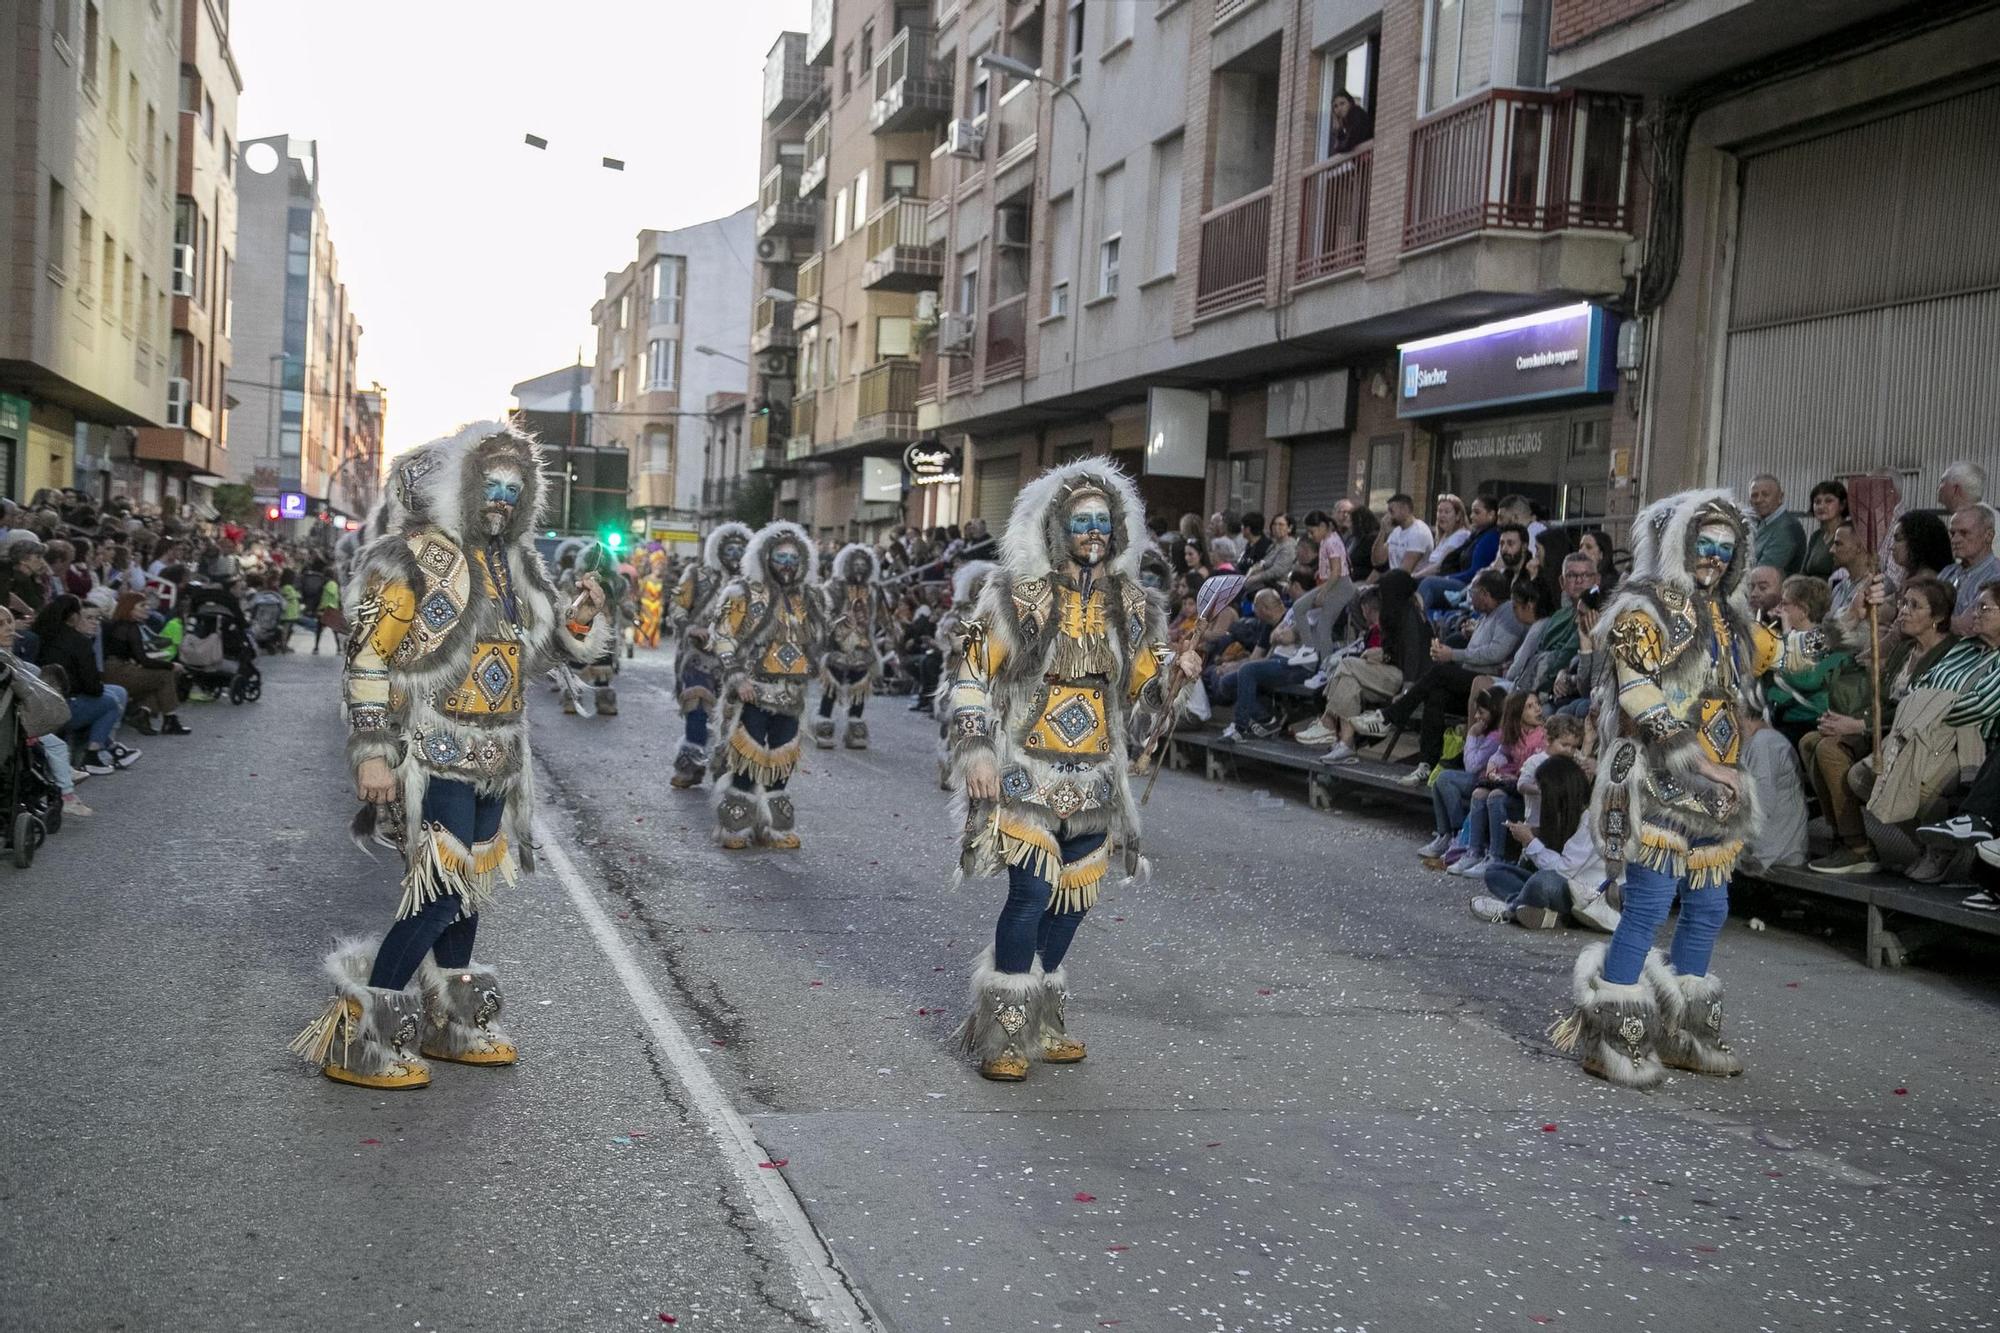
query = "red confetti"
x=1216 y=1144
x=774 y=1163
x=1704 y=1249
x=1775 y=1175
x=1548 y=1129
x=1081 y=1197
x=1902 y=1092
x=372 y=1143
x=1265 y=991
x=1791 y=985
x=717 y=1042
x=1117 y=918
x=668 y=1319
x=1118 y=1249
x=819 y=983
x=640 y=820
x=937 y=969
x=923 y=1013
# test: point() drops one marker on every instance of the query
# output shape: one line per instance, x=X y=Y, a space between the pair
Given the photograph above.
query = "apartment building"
x=592 y=478
x=670 y=326
x=727 y=489
x=1273 y=253
x=853 y=111
x=296 y=339
x=189 y=449
x=1822 y=289
x=88 y=162
x=357 y=484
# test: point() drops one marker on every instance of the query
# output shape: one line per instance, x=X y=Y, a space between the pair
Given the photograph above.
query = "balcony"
x=886 y=402
x=819 y=34
x=812 y=175
x=780 y=210
x=1333 y=215
x=1007 y=337
x=1235 y=253
x=1520 y=160
x=653 y=490
x=805 y=310
x=927 y=369
x=901 y=257
x=788 y=80
x=1019 y=110
x=805 y=418
x=911 y=90
x=771 y=326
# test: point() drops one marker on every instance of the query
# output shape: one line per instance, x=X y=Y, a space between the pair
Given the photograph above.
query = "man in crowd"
x=1764 y=588
x=1961 y=485
x=1441 y=690
x=1410 y=537
x=1853 y=562
x=1972 y=562
x=1779 y=540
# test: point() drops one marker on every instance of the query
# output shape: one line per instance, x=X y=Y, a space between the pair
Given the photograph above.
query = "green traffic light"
x=614 y=541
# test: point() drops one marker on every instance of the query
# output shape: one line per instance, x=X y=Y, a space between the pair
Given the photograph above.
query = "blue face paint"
x=502 y=492
x=1708 y=548
x=1090 y=520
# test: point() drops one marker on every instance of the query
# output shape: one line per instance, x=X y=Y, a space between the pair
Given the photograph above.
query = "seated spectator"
x=1596 y=546
x=1497 y=798
x=1797 y=698
x=1763 y=588
x=1250 y=538
x=1829 y=511
x=1923 y=626
x=1779 y=837
x=1273 y=568
x=148 y=674
x=1304 y=638
x=28 y=576
x=1451 y=794
x=1779 y=540
x=55 y=750
x=1530 y=604
x=1973 y=826
x=1248 y=639
x=1481 y=545
x=1407 y=541
x=1562 y=878
x=1366 y=554
x=1450 y=531
x=1447 y=680
x=1390 y=649
x=67 y=632
x=1853 y=564
x=1578 y=589
x=1223 y=554
x=1973 y=564
x=1564 y=741
x=1919 y=547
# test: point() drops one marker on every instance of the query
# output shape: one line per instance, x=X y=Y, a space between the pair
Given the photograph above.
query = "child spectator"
x=1565 y=885
x=1454 y=785
x=1565 y=741
x=294 y=607
x=1497 y=799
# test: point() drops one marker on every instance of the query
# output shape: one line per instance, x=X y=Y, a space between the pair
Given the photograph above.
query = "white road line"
x=819 y=1279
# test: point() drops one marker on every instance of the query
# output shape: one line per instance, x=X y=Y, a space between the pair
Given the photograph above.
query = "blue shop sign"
x=1549 y=354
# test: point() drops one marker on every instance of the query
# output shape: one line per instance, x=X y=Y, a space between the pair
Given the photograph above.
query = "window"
x=892 y=336
x=668 y=275
x=624 y=312
x=663 y=364
x=114 y=83
x=207 y=117
x=1110 y=228
x=899 y=180
x=1062 y=253
x=979 y=98
x=1118 y=24
x=618 y=385
x=830 y=361
x=107 y=276
x=868 y=45
x=190 y=89
x=860 y=201
x=808 y=361
x=59 y=26
x=228 y=293
x=145 y=309
x=1073 y=39
x=1166 y=235
x=840 y=216
x=152 y=129
x=228 y=156
x=1349 y=69
x=132 y=103
x=58 y=224
x=847 y=69
x=968 y=286
x=1461 y=50
x=86 y=251
x=659 y=450
x=128 y=294
x=90 y=38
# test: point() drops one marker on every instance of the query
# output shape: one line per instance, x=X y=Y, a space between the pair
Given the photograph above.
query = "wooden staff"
x=1875 y=675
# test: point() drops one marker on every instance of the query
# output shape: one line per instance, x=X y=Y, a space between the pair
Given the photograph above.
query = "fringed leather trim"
x=316 y=1042
x=1708 y=866
x=1030 y=846
x=697 y=697
x=1076 y=888
x=1091 y=655
x=441 y=865
x=761 y=765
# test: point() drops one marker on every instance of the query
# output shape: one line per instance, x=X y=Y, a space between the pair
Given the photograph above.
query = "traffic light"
x=614 y=540
x=271 y=513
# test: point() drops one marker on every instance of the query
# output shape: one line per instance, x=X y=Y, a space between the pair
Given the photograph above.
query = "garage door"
x=999 y=479
x=1865 y=309
x=1319 y=473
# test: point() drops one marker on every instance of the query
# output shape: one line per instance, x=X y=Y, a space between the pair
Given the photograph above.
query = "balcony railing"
x=886 y=402
x=788 y=79
x=780 y=210
x=901 y=258
x=1015 y=121
x=1226 y=9
x=1235 y=252
x=1522 y=160
x=771 y=325
x=819 y=34
x=812 y=175
x=760 y=430
x=1007 y=337
x=805 y=417
x=805 y=311
x=1333 y=215
x=957 y=374
x=911 y=89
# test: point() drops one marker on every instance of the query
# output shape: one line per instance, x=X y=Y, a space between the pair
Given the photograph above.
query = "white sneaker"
x=1470 y=867
x=1989 y=852
x=1436 y=846
x=1420 y=776
x=1230 y=733
x=1315 y=682
x=1372 y=724
x=1341 y=753
x=1595 y=911
x=1489 y=909
x=1316 y=734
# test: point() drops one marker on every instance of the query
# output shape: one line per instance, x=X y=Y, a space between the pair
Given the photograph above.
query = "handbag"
x=41 y=710
x=202 y=652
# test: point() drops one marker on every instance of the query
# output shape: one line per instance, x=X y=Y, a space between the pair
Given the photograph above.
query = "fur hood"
x=966 y=583
x=1037 y=540
x=863 y=550
x=711 y=550
x=442 y=484
x=1663 y=537
x=770 y=535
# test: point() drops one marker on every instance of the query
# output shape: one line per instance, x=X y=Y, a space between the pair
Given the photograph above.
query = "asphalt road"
x=1318 y=1095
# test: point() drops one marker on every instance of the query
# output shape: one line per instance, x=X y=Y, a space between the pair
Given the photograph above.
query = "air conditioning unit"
x=774 y=363
x=177 y=402
x=1010 y=227
x=775 y=249
x=954 y=333
x=927 y=307
x=963 y=138
x=184 y=270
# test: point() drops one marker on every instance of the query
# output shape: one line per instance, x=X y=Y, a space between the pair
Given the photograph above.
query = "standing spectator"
x=1777 y=536
x=1352 y=125
x=1963 y=484
x=1973 y=564
x=1439 y=690
x=294 y=607
x=1410 y=540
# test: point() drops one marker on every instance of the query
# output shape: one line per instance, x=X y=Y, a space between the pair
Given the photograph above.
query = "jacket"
x=76 y=654
x=1579 y=862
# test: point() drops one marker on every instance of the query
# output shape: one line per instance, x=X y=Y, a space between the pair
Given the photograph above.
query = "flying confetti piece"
x=1117 y=1249
x=613 y=164
x=1081 y=1197
x=1902 y=1092
x=668 y=1319
x=773 y=1164
x=371 y=1143
x=819 y=983
x=1266 y=990
x=537 y=141
x=1216 y=1144
x=1548 y=1129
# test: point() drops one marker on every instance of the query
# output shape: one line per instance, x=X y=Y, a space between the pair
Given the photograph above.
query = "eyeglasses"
x=1087 y=521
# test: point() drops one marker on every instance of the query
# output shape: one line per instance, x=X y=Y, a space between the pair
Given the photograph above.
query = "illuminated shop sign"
x=1549 y=354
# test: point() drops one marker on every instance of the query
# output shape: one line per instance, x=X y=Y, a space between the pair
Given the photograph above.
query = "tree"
x=236 y=502
x=753 y=502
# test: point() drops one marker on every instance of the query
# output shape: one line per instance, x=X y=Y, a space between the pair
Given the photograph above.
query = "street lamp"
x=1021 y=69
x=706 y=350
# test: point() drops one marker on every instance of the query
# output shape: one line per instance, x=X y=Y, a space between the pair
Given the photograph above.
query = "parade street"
x=1318 y=1097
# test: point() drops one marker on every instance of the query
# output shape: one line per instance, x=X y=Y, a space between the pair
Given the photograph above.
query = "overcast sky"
x=470 y=258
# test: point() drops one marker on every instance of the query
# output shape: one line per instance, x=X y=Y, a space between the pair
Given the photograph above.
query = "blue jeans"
x=771 y=730
x=1261 y=675
x=1027 y=927
x=1518 y=886
x=439 y=926
x=695 y=721
x=1489 y=822
x=1431 y=592
x=96 y=716
x=1449 y=795
x=1648 y=896
x=1579 y=708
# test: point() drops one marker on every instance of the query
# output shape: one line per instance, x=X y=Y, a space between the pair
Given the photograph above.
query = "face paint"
x=785 y=564
x=1090 y=531
x=1714 y=549
x=732 y=555
x=504 y=486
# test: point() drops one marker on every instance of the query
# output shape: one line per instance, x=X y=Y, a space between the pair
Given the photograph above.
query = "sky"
x=471 y=259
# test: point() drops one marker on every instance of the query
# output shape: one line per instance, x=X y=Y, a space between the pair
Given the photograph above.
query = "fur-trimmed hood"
x=442 y=484
x=1037 y=539
x=711 y=549
x=866 y=552
x=966 y=583
x=1663 y=537
x=770 y=535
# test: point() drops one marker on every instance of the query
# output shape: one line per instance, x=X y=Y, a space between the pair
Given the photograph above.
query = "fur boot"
x=857 y=734
x=607 y=701
x=367 y=1036
x=1055 y=1045
x=688 y=765
x=738 y=815
x=460 y=1005
x=781 y=825
x=1691 y=1022
x=1001 y=1024
x=823 y=733
x=1615 y=1029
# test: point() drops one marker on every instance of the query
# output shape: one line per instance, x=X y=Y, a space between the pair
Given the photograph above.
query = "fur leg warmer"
x=1003 y=1018
x=1614 y=1028
x=366 y=1035
x=1691 y=1021
x=739 y=815
x=856 y=737
x=823 y=732
x=460 y=1006
x=1054 y=1044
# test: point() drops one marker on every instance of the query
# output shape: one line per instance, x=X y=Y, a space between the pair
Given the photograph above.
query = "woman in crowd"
x=1497 y=798
x=148 y=674
x=1797 y=699
x=1829 y=510
x=54 y=748
x=1194 y=560
x=1841 y=740
x=1451 y=530
x=1921 y=546
x=66 y=631
x=1363 y=528
x=1598 y=547
x=1274 y=568
x=1370 y=678
x=1551 y=547
x=1453 y=789
x=1563 y=880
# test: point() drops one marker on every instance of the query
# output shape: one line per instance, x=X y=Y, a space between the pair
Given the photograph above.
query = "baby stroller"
x=30 y=801
x=217 y=653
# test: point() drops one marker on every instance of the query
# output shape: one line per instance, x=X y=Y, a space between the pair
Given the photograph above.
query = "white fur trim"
x=1024 y=549
x=853 y=548
x=965 y=583
x=768 y=536
x=711 y=548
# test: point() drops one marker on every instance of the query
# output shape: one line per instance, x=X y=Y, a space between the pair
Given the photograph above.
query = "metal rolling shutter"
x=1319 y=474
x=999 y=479
x=1865 y=311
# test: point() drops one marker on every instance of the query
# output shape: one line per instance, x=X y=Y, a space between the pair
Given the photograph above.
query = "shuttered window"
x=999 y=479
